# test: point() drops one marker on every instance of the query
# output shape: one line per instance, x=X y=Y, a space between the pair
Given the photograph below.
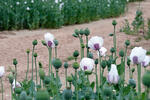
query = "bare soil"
x=13 y=44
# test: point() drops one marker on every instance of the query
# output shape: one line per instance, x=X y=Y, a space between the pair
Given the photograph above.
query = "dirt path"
x=13 y=44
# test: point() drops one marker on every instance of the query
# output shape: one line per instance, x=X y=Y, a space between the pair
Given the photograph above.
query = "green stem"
x=15 y=75
x=55 y=52
x=36 y=71
x=2 y=88
x=114 y=40
x=87 y=46
x=66 y=76
x=125 y=61
x=11 y=93
x=76 y=86
x=50 y=60
x=130 y=73
x=82 y=49
x=100 y=69
x=139 y=79
x=32 y=68
x=97 y=91
x=27 y=66
x=70 y=84
x=122 y=66
x=57 y=97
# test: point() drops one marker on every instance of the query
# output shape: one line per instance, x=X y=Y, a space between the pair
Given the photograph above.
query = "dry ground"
x=13 y=44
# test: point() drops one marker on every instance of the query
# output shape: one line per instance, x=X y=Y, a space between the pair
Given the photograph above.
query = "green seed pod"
x=90 y=55
x=11 y=78
x=146 y=79
x=87 y=32
x=127 y=42
x=112 y=50
x=15 y=62
x=66 y=65
x=96 y=61
x=132 y=83
x=121 y=53
x=56 y=42
x=47 y=80
x=35 y=42
x=69 y=78
x=104 y=64
x=23 y=95
x=29 y=98
x=67 y=94
x=35 y=54
x=41 y=73
x=88 y=72
x=42 y=95
x=81 y=32
x=40 y=65
x=76 y=53
x=75 y=65
x=28 y=51
x=18 y=90
x=57 y=63
x=107 y=91
x=114 y=23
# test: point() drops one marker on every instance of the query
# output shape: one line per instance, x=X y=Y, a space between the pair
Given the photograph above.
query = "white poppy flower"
x=102 y=51
x=113 y=76
x=32 y=1
x=95 y=43
x=137 y=55
x=2 y=71
x=87 y=64
x=28 y=8
x=17 y=3
x=17 y=84
x=49 y=39
x=25 y=2
x=56 y=1
x=146 y=61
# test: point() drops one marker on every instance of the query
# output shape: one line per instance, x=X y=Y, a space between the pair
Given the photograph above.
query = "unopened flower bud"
x=35 y=42
x=107 y=91
x=40 y=65
x=67 y=94
x=66 y=65
x=146 y=79
x=41 y=73
x=23 y=95
x=104 y=64
x=90 y=55
x=81 y=32
x=82 y=45
x=74 y=35
x=46 y=79
x=127 y=42
x=69 y=78
x=18 y=90
x=44 y=43
x=57 y=63
x=87 y=32
x=56 y=42
x=76 y=53
x=114 y=23
x=111 y=34
x=11 y=78
x=35 y=54
x=42 y=95
x=28 y=51
x=133 y=69
x=96 y=61
x=112 y=50
x=15 y=62
x=132 y=83
x=75 y=65
x=128 y=61
x=121 y=53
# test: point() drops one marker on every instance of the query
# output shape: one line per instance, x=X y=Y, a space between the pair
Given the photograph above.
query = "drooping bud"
x=57 y=63
x=44 y=43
